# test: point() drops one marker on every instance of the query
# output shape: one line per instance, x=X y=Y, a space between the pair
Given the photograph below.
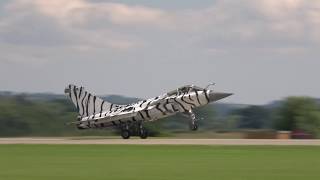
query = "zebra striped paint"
x=96 y=113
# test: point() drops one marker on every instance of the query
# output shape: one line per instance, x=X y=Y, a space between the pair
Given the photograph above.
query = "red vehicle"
x=300 y=134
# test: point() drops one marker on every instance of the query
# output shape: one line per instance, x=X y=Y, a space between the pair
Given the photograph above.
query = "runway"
x=153 y=141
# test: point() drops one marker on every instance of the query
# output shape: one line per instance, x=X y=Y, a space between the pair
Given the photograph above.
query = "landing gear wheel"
x=125 y=134
x=194 y=126
x=143 y=133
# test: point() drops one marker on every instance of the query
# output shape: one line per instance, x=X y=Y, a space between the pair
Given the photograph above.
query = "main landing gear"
x=134 y=129
x=143 y=133
x=125 y=134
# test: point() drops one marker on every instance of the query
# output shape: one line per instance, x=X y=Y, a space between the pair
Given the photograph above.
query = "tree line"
x=22 y=115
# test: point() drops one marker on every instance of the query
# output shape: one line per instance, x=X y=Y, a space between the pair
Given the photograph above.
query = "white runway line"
x=160 y=141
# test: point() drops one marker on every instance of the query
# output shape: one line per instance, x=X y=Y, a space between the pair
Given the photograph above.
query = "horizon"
x=222 y=101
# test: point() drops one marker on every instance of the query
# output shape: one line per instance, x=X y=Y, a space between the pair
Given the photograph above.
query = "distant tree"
x=302 y=113
x=253 y=117
x=207 y=117
x=230 y=122
x=22 y=99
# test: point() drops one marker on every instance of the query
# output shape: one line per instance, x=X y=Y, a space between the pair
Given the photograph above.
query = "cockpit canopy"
x=184 y=89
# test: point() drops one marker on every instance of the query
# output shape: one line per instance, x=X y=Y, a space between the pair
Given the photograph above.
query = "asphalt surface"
x=77 y=140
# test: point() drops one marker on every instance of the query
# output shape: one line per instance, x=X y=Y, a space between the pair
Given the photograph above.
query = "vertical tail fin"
x=87 y=104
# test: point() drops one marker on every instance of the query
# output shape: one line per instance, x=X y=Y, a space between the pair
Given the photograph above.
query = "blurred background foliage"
x=46 y=115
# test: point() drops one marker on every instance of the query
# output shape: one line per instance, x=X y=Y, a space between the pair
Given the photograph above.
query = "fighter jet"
x=95 y=112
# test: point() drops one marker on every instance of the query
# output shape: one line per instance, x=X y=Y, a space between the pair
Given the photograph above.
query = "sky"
x=259 y=50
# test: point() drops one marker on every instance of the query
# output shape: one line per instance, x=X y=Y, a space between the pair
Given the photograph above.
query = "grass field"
x=97 y=162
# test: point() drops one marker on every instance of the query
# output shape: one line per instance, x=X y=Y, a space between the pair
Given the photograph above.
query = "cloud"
x=226 y=24
x=249 y=24
x=82 y=11
x=278 y=9
x=58 y=23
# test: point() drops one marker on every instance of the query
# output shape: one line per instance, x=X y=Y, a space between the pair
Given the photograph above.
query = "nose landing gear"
x=193 y=126
x=193 y=121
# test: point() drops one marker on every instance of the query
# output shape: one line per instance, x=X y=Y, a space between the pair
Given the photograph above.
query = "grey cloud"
x=224 y=24
x=36 y=31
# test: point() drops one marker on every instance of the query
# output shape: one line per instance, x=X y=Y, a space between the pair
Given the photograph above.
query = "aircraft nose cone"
x=215 y=96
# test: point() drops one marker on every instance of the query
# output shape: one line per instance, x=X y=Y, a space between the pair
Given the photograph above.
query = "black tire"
x=143 y=133
x=194 y=126
x=125 y=134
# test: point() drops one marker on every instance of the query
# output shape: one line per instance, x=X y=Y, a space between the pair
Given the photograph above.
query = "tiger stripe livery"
x=95 y=112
